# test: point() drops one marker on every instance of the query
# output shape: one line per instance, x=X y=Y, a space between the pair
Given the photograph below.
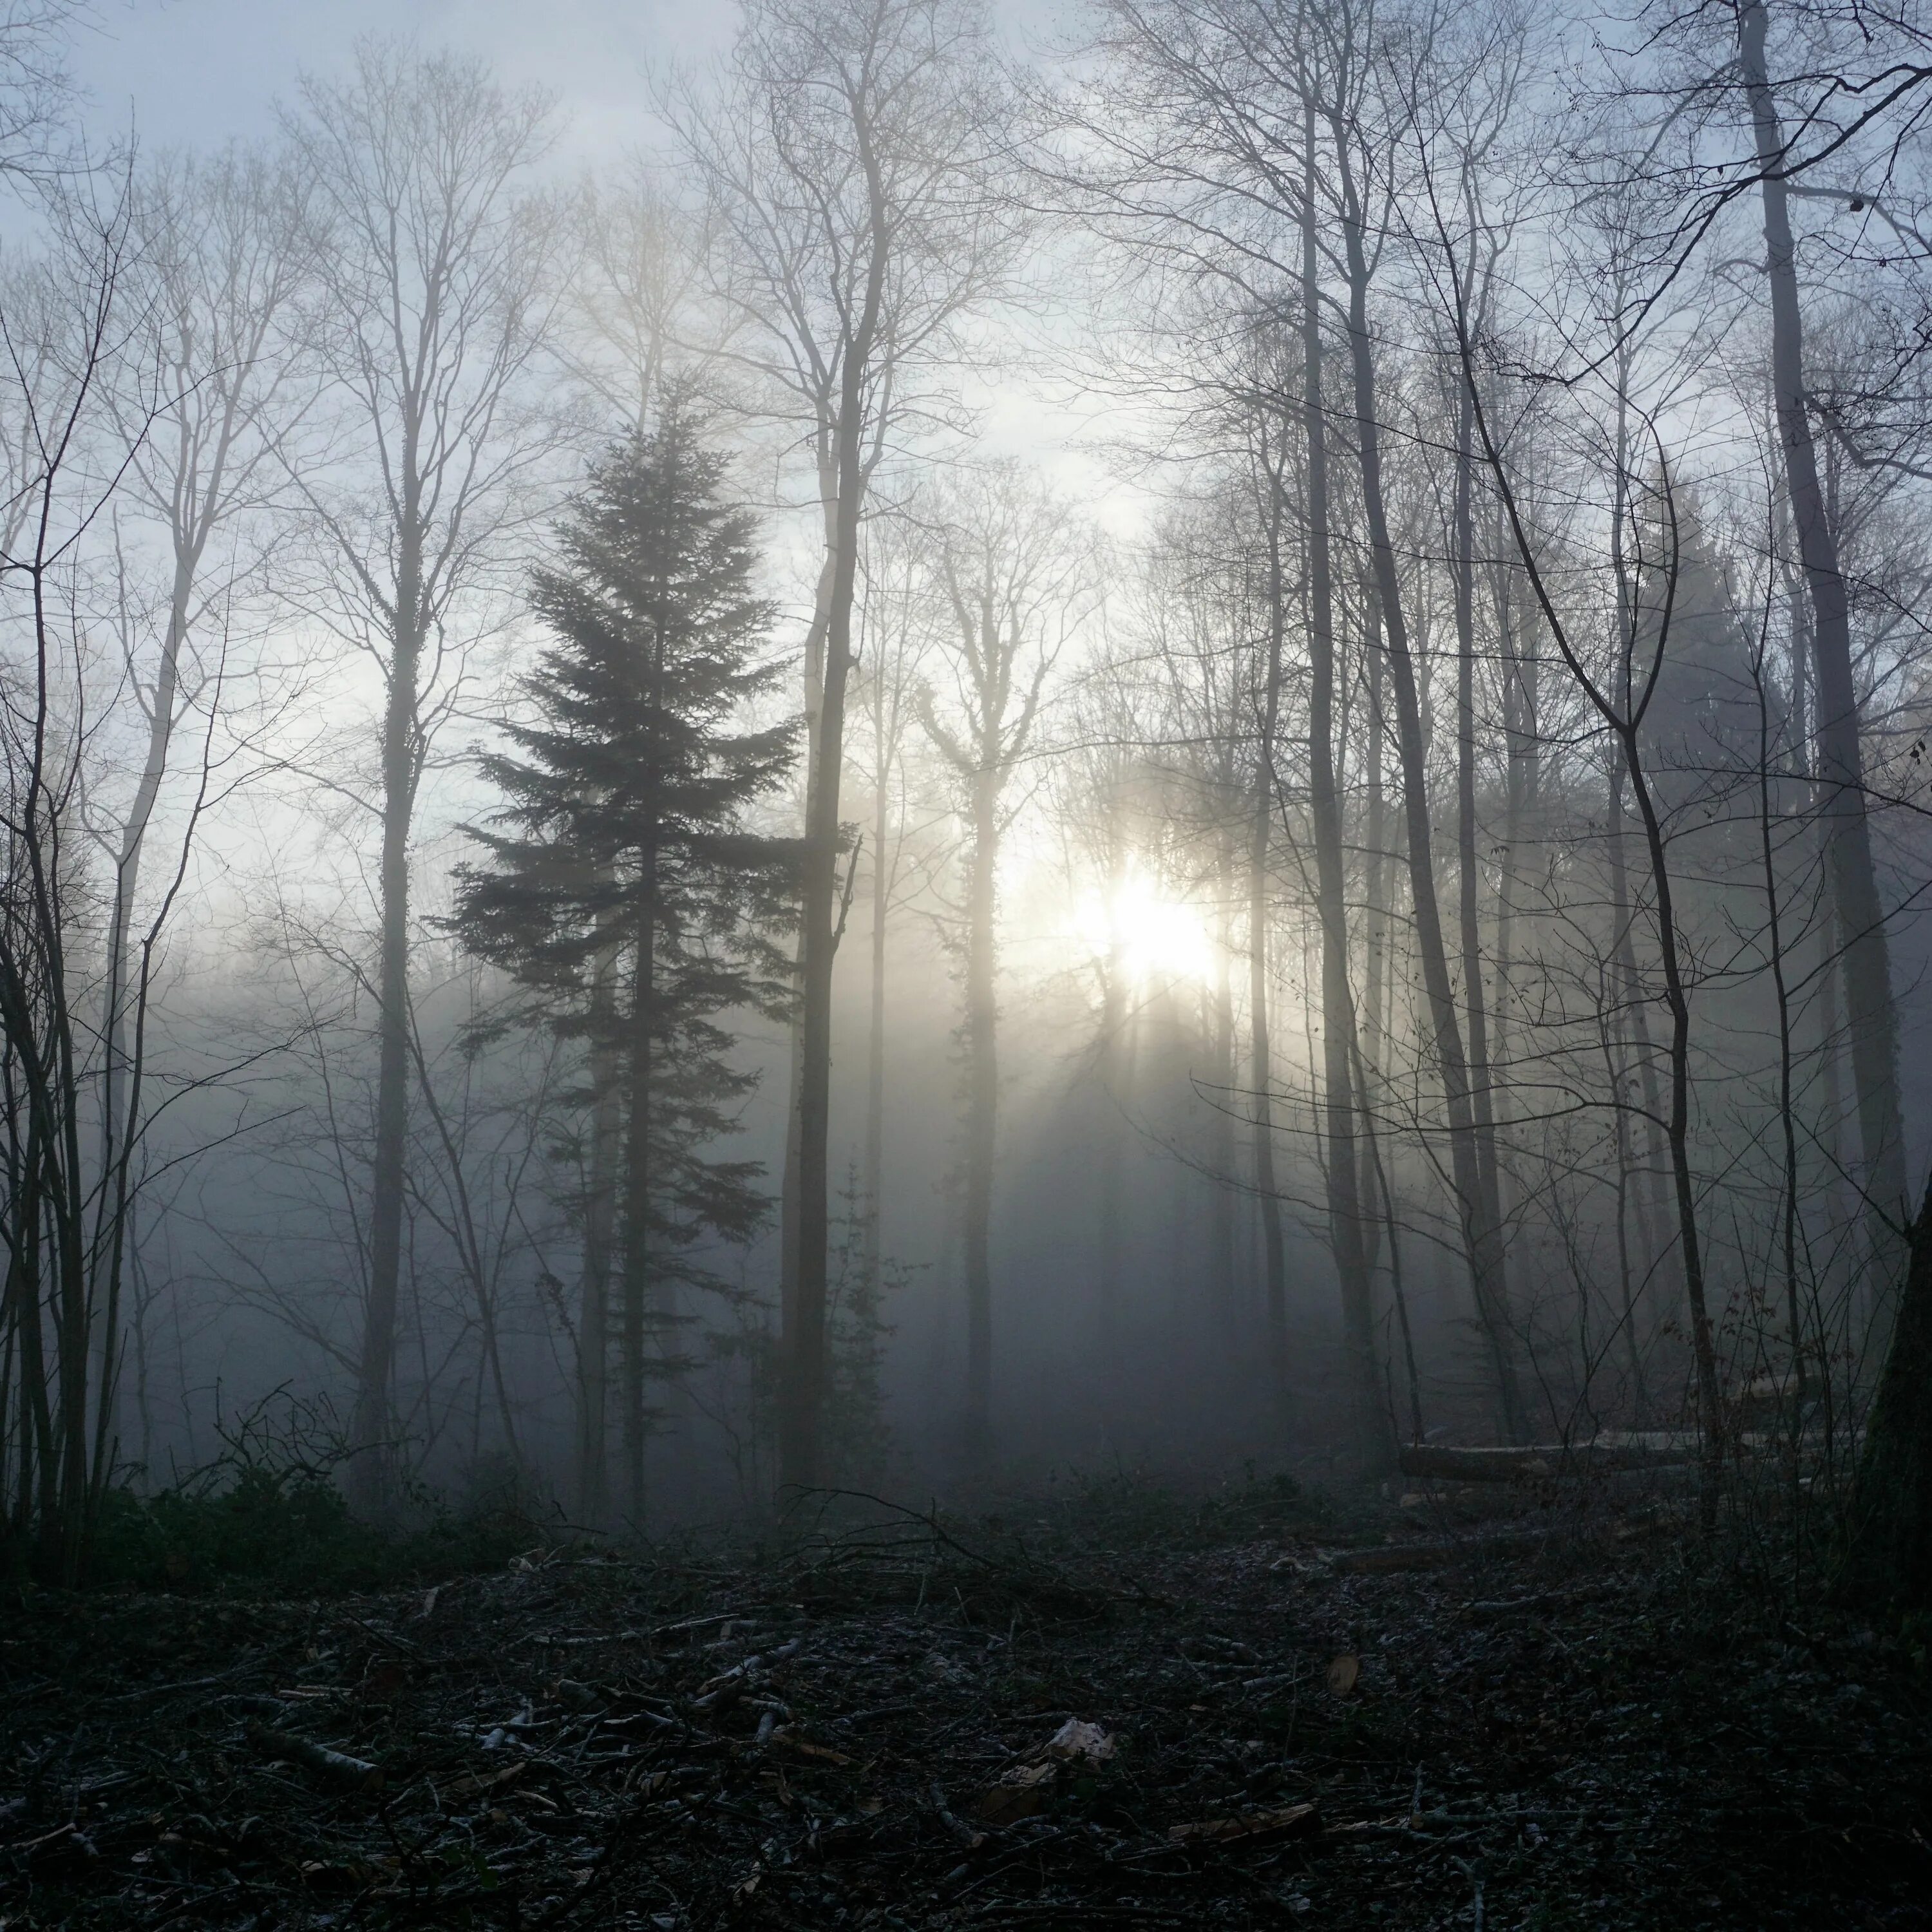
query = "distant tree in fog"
x=1013 y=574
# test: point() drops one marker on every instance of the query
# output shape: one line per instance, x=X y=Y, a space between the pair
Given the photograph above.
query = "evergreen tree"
x=628 y=890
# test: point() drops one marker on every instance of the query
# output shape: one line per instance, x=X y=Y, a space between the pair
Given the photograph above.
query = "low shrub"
x=267 y=1512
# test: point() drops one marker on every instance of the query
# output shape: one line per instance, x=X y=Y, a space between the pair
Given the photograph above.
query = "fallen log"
x=1542 y=1461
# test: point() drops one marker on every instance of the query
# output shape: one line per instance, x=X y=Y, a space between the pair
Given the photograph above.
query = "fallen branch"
x=357 y=1773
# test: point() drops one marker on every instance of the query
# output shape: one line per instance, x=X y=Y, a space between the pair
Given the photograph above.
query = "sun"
x=1152 y=937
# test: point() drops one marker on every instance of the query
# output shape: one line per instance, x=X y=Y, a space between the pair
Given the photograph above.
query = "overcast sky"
x=199 y=71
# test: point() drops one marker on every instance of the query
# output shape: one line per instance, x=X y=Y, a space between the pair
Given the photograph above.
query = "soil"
x=1134 y=1711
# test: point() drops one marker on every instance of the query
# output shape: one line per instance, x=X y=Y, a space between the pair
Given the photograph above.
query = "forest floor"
x=1136 y=1711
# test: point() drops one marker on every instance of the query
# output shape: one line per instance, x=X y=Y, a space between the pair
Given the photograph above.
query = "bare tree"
x=35 y=87
x=65 y=329
x=844 y=160
x=223 y=252
x=1861 y=920
x=432 y=306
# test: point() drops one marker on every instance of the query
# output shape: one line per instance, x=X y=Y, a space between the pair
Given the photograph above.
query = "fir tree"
x=628 y=890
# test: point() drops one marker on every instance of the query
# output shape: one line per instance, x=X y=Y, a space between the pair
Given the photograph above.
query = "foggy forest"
x=1100 y=827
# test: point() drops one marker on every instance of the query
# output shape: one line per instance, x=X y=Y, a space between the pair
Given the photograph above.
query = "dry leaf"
x=1343 y=1673
x=1245 y=1826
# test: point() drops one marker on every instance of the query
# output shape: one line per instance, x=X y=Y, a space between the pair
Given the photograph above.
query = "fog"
x=917 y=748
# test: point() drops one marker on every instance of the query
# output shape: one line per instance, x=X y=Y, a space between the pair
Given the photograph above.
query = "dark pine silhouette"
x=628 y=892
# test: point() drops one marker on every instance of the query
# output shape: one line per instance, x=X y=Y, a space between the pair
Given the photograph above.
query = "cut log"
x=1653 y=1450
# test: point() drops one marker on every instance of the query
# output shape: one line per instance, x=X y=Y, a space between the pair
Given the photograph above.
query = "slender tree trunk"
x=1114 y=1067
x=1468 y=868
x=133 y=841
x=1479 y=1235
x=373 y=1471
x=636 y=1280
x=1873 y=1021
x=1625 y=718
x=983 y=1093
x=593 y=1333
x=813 y=672
x=802 y=1376
x=874 y=1180
x=1373 y=1443
x=1261 y=1078
x=1221 y=1155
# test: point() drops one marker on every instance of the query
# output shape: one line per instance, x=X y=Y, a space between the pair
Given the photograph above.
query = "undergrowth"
x=267 y=1512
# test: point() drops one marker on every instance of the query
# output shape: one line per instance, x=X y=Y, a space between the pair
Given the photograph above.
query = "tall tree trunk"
x=1469 y=868
x=983 y=1094
x=1376 y=976
x=1221 y=1156
x=813 y=674
x=802 y=1371
x=872 y=1260
x=1114 y=1064
x=593 y=1321
x=1480 y=1234
x=1260 y=1077
x=133 y=842
x=1623 y=717
x=1372 y=1443
x=373 y=1471
x=635 y=1281
x=1860 y=916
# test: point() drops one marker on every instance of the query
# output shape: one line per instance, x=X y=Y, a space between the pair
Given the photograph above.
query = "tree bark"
x=1221 y=1152
x=1860 y=916
x=374 y=1469
x=1475 y=1004
x=1890 y=1555
x=593 y=1321
x=872 y=1260
x=982 y=1093
x=1260 y=1077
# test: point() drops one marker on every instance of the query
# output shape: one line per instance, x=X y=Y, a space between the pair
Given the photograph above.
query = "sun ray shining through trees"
x=928 y=754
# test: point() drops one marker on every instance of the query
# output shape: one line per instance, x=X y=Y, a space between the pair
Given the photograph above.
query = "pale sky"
x=199 y=71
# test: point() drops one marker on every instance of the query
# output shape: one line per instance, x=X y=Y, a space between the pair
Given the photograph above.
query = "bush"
x=267 y=1512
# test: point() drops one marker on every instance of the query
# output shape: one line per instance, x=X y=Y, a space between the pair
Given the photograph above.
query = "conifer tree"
x=627 y=889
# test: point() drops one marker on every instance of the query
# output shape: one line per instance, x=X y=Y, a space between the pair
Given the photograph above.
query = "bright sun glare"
x=1153 y=937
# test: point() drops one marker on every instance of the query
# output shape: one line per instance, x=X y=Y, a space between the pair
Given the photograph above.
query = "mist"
x=961 y=964
x=1371 y=889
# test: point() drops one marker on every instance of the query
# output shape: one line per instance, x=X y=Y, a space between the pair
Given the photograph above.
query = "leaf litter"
x=1149 y=1713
